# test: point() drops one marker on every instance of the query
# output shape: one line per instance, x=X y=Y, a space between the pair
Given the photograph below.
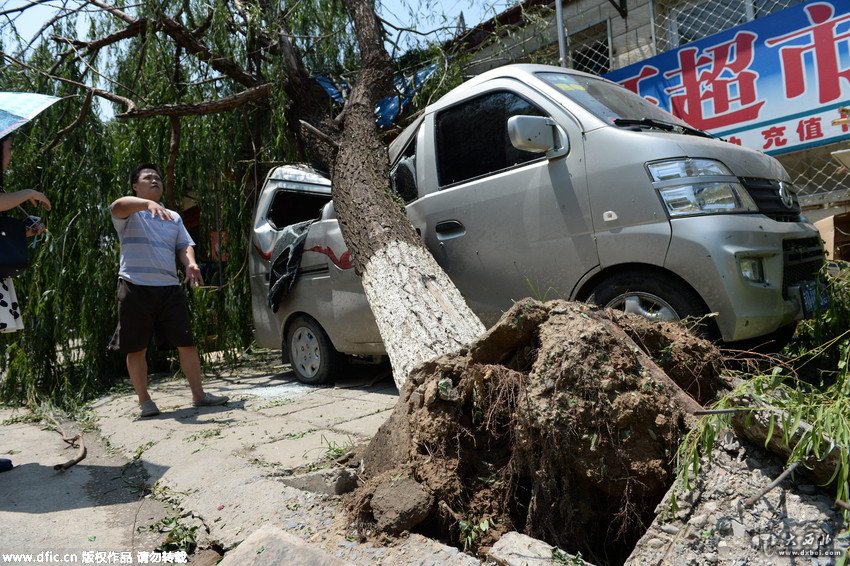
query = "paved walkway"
x=222 y=467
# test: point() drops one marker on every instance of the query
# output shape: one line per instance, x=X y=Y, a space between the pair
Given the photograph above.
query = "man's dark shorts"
x=144 y=311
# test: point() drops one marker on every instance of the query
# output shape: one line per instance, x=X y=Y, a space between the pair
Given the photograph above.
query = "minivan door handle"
x=448 y=229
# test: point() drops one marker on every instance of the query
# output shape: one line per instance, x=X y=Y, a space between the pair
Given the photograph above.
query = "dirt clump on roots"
x=555 y=423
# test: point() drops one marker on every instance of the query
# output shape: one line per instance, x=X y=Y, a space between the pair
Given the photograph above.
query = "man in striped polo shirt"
x=150 y=300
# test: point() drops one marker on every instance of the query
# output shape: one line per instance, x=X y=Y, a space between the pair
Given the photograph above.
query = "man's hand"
x=193 y=275
x=159 y=211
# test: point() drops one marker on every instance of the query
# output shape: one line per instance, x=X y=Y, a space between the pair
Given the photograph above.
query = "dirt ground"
x=556 y=423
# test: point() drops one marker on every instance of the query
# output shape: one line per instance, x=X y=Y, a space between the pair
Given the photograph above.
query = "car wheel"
x=651 y=296
x=311 y=354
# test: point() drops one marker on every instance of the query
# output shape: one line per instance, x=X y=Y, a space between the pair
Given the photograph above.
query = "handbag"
x=13 y=246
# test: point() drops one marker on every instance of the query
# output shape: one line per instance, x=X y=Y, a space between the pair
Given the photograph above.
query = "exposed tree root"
x=557 y=421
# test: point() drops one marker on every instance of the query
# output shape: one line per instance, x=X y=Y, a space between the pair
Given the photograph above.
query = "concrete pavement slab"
x=222 y=467
x=48 y=512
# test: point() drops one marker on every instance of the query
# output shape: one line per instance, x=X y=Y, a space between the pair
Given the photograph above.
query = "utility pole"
x=559 y=25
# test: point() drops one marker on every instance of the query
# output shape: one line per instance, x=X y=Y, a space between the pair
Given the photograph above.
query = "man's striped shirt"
x=148 y=248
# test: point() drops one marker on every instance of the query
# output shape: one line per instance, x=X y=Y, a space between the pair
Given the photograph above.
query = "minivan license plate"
x=815 y=298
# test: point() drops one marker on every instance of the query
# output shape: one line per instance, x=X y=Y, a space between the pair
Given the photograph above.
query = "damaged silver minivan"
x=532 y=180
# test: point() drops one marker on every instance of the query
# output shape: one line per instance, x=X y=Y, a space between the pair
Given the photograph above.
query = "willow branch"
x=201 y=108
x=224 y=65
x=173 y=150
x=138 y=27
x=113 y=10
x=17 y=9
x=73 y=125
x=112 y=97
x=752 y=500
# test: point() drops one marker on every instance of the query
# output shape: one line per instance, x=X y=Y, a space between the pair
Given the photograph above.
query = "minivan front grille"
x=765 y=193
x=804 y=258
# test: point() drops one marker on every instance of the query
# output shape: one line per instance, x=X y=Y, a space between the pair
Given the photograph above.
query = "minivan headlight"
x=686 y=168
x=707 y=198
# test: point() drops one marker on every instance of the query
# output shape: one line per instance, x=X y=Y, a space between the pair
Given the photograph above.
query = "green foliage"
x=561 y=557
x=471 y=530
x=334 y=450
x=178 y=537
x=817 y=348
x=811 y=386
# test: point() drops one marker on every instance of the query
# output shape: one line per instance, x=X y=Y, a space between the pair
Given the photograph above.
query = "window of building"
x=472 y=137
x=588 y=50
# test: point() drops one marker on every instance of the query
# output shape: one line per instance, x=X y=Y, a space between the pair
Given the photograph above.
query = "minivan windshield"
x=610 y=102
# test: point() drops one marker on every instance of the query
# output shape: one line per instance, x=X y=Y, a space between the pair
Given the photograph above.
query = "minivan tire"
x=313 y=358
x=655 y=297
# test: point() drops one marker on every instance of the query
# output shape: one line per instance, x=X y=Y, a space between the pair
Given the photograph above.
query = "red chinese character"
x=823 y=42
x=809 y=129
x=774 y=136
x=705 y=97
x=736 y=140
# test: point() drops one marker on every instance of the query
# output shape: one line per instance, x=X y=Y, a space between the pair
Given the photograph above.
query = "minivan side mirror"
x=538 y=134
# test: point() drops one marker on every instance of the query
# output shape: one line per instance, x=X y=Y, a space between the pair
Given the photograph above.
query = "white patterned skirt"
x=10 y=312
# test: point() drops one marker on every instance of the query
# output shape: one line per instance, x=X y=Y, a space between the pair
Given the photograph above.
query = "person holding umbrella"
x=16 y=109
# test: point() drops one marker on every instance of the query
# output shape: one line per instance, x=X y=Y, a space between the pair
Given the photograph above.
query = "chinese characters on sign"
x=774 y=84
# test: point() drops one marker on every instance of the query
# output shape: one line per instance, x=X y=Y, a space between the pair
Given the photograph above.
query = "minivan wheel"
x=646 y=294
x=311 y=354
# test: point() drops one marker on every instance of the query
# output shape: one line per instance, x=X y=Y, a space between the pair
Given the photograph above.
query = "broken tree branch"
x=73 y=125
x=752 y=500
x=81 y=453
x=71 y=442
x=200 y=108
x=757 y=428
x=723 y=411
x=319 y=134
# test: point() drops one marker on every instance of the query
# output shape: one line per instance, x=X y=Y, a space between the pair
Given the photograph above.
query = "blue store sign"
x=773 y=84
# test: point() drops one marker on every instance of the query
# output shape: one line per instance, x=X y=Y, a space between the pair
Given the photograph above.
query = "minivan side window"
x=291 y=207
x=472 y=137
x=403 y=174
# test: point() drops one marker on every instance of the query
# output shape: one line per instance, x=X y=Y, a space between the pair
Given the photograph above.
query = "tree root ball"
x=555 y=423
